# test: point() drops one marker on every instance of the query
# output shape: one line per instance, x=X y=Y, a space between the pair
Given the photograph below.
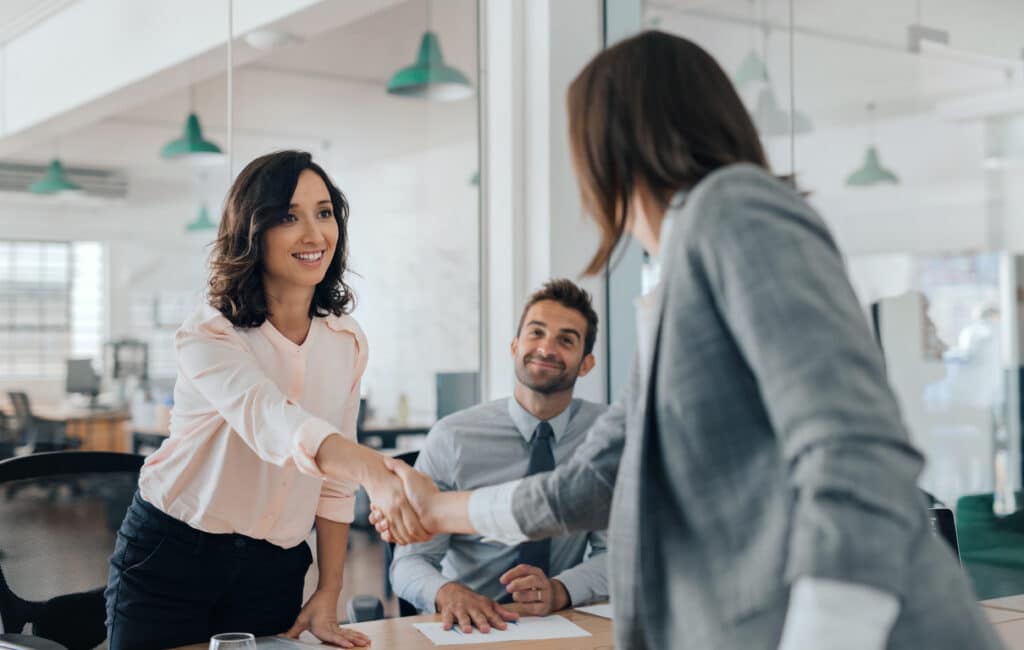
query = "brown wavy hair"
x=654 y=111
x=258 y=200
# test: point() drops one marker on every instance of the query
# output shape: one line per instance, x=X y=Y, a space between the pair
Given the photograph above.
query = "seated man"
x=541 y=425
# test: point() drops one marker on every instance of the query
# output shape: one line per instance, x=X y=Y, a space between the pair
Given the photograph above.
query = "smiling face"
x=548 y=350
x=299 y=248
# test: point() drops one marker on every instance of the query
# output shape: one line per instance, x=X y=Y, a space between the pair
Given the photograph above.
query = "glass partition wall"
x=111 y=192
x=904 y=124
x=384 y=96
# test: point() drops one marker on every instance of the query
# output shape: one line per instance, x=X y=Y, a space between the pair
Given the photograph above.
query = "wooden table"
x=399 y=634
x=98 y=429
x=1007 y=614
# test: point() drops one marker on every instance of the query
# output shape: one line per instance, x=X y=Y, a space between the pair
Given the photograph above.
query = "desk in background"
x=384 y=436
x=98 y=429
x=399 y=634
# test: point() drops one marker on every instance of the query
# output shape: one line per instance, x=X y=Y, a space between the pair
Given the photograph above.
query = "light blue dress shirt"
x=481 y=446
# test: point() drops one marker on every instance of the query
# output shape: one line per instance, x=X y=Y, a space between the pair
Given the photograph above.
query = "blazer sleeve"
x=779 y=284
x=577 y=496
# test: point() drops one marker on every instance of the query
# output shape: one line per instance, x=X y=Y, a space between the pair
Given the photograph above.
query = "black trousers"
x=172 y=585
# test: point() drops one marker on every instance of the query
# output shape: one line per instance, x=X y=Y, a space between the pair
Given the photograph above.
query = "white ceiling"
x=18 y=16
x=331 y=87
x=849 y=53
x=327 y=92
x=986 y=26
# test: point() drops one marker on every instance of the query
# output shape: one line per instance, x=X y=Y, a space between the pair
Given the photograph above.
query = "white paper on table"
x=604 y=610
x=528 y=628
x=282 y=643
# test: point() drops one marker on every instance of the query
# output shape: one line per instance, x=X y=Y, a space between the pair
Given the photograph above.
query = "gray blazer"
x=760 y=444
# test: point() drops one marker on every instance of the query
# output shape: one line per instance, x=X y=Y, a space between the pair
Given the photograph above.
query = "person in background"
x=262 y=436
x=756 y=477
x=539 y=427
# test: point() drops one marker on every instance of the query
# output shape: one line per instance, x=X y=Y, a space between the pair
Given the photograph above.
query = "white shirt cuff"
x=490 y=512
x=832 y=615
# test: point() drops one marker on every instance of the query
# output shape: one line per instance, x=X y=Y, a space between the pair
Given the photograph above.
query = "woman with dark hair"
x=755 y=475
x=262 y=438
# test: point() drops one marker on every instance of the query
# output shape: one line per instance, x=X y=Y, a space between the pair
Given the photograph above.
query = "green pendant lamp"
x=430 y=77
x=55 y=181
x=771 y=119
x=202 y=221
x=752 y=68
x=192 y=145
x=871 y=171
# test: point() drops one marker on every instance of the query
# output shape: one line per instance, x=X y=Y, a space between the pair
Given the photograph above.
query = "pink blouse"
x=251 y=409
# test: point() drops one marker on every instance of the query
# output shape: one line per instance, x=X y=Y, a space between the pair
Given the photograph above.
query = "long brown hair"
x=258 y=200
x=654 y=111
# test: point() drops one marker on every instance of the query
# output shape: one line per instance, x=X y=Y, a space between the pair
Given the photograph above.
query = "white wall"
x=533 y=224
x=414 y=257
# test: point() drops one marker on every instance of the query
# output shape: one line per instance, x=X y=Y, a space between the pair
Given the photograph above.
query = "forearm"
x=416 y=571
x=331 y=549
x=449 y=512
x=345 y=460
x=587 y=581
x=416 y=579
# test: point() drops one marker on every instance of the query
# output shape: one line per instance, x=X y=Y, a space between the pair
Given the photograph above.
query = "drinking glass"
x=233 y=641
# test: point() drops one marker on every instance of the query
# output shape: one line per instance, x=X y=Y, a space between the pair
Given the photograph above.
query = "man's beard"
x=557 y=384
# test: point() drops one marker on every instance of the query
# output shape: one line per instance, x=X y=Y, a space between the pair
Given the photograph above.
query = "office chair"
x=8 y=438
x=363 y=607
x=38 y=433
x=55 y=552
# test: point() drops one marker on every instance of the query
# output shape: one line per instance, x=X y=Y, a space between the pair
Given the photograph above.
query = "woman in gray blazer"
x=755 y=476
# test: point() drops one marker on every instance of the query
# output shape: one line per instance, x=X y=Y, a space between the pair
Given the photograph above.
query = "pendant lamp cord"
x=792 y=95
x=230 y=102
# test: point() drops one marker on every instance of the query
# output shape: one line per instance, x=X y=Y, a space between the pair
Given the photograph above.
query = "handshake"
x=404 y=503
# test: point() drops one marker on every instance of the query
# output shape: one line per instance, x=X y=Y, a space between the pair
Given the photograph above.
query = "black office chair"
x=55 y=551
x=363 y=608
x=39 y=434
x=8 y=438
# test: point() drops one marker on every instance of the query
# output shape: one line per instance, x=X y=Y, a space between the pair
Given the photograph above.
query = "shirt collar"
x=525 y=421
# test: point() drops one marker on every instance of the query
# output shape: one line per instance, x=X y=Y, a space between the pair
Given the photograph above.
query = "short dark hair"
x=654 y=111
x=567 y=294
x=257 y=201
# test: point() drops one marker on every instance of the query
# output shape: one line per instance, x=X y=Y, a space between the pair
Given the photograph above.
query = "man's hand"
x=537 y=594
x=458 y=603
x=320 y=616
x=388 y=498
x=419 y=488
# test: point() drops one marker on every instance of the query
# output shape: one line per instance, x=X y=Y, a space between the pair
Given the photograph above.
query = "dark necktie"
x=542 y=459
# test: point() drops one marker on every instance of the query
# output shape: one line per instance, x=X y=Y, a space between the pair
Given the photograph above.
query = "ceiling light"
x=55 y=181
x=270 y=39
x=192 y=145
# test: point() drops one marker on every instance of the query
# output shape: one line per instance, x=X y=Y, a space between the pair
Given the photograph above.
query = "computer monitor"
x=82 y=379
x=456 y=391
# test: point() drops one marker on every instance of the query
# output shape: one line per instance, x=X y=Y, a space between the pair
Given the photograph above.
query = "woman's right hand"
x=388 y=497
x=345 y=460
x=419 y=489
